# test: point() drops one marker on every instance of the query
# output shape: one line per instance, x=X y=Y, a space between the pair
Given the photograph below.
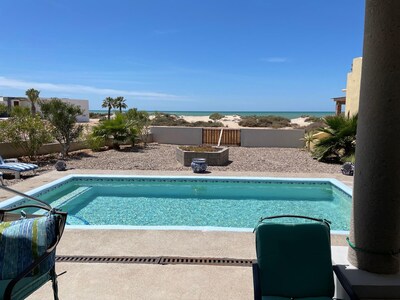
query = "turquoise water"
x=286 y=114
x=195 y=202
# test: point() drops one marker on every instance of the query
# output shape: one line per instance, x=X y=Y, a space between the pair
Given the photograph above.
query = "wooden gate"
x=229 y=137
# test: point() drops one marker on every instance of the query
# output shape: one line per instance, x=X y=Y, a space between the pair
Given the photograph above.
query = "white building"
x=24 y=102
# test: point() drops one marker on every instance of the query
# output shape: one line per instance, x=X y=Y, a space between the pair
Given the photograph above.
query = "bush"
x=340 y=144
x=163 y=119
x=95 y=143
x=62 y=117
x=216 y=116
x=265 y=121
x=116 y=130
x=205 y=124
x=25 y=131
x=97 y=115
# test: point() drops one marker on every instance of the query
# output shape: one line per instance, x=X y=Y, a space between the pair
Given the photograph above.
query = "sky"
x=171 y=55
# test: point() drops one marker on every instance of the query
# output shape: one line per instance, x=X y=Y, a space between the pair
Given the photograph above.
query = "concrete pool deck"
x=150 y=281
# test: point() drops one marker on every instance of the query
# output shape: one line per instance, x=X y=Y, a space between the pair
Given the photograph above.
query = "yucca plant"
x=308 y=139
x=340 y=144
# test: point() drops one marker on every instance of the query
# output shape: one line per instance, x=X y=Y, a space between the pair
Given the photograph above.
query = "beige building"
x=353 y=87
x=24 y=102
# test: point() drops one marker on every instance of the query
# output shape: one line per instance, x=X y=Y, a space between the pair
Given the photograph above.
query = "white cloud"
x=275 y=59
x=77 y=89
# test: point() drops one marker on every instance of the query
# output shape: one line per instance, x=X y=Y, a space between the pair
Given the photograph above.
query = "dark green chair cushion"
x=295 y=260
x=25 y=286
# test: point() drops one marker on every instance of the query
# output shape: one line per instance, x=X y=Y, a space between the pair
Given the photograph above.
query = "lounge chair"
x=293 y=259
x=27 y=249
x=15 y=167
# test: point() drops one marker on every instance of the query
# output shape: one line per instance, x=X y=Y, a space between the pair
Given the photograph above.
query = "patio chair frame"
x=6 y=214
x=256 y=269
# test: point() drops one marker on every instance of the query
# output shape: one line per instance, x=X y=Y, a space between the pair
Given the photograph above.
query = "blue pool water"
x=199 y=202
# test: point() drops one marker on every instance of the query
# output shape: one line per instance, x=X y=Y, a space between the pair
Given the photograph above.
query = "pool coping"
x=338 y=184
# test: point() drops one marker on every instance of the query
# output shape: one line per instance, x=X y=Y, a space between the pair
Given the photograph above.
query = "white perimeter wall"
x=177 y=135
x=250 y=137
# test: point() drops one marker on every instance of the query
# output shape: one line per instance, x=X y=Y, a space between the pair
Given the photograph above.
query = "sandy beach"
x=230 y=121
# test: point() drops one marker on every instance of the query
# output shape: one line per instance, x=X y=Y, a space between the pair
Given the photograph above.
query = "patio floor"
x=153 y=281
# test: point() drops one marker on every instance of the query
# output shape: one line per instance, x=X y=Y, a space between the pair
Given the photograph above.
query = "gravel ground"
x=162 y=157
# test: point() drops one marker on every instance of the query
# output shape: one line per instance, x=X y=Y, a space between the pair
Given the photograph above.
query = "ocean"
x=285 y=114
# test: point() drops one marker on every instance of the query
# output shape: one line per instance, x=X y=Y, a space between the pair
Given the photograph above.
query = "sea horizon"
x=285 y=114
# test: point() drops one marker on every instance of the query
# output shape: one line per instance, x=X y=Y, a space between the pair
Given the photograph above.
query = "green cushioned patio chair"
x=27 y=248
x=293 y=259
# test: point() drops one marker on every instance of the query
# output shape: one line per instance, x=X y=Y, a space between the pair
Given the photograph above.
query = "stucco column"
x=375 y=225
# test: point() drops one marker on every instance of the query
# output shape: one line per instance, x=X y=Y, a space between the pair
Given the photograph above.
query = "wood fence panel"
x=229 y=136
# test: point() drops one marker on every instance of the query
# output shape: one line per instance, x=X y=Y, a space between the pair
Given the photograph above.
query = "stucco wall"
x=353 y=87
x=8 y=151
x=177 y=135
x=83 y=104
x=290 y=138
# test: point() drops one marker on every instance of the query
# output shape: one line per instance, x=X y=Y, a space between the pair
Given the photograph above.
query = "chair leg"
x=54 y=282
x=17 y=175
x=256 y=281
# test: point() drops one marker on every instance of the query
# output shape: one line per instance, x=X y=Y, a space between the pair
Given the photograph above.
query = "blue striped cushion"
x=22 y=242
x=18 y=166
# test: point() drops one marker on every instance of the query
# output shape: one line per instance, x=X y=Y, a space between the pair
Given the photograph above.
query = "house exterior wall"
x=24 y=102
x=353 y=87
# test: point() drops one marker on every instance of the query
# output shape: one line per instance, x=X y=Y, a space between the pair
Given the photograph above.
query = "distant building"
x=352 y=90
x=353 y=87
x=11 y=102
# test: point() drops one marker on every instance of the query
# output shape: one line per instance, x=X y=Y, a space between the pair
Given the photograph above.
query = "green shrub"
x=205 y=124
x=62 y=117
x=163 y=119
x=216 y=116
x=265 y=121
x=95 y=143
x=25 y=131
x=340 y=144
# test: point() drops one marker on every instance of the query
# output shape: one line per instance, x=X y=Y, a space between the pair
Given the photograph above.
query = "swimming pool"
x=232 y=203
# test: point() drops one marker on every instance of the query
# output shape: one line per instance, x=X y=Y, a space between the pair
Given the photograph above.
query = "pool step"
x=81 y=221
x=71 y=196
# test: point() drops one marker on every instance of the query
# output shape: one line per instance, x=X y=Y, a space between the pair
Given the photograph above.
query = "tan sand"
x=231 y=121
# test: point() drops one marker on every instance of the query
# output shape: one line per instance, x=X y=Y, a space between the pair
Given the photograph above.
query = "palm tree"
x=110 y=104
x=120 y=103
x=340 y=142
x=33 y=97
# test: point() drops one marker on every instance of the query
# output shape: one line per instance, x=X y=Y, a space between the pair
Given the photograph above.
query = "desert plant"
x=95 y=143
x=33 y=97
x=164 y=119
x=3 y=108
x=108 y=103
x=62 y=117
x=265 y=121
x=25 y=131
x=118 y=130
x=216 y=116
x=308 y=139
x=139 y=120
x=340 y=143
